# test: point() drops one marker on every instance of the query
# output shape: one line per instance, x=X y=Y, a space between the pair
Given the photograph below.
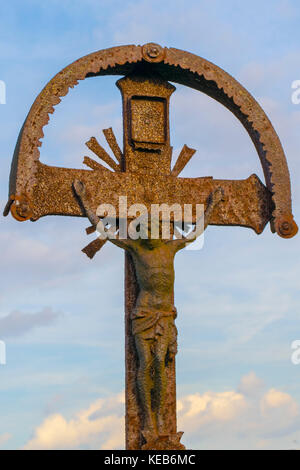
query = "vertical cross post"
x=133 y=418
x=146 y=151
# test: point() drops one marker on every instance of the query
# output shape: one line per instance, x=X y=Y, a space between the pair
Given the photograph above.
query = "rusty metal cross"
x=142 y=172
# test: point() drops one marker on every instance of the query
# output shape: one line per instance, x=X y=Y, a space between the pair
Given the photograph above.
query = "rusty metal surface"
x=142 y=172
x=248 y=202
x=146 y=124
x=98 y=150
x=147 y=178
x=182 y=160
x=177 y=66
x=112 y=142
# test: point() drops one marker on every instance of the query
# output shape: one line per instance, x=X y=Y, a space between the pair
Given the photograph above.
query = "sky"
x=61 y=314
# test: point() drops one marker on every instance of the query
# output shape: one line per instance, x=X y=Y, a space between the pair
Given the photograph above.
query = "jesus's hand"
x=216 y=196
x=79 y=188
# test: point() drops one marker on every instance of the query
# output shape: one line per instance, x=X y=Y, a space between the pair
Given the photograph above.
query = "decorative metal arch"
x=174 y=65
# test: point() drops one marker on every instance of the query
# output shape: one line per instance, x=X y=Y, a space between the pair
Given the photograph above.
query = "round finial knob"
x=153 y=52
x=20 y=208
x=286 y=226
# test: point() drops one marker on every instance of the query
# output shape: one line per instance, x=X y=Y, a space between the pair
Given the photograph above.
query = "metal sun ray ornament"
x=142 y=172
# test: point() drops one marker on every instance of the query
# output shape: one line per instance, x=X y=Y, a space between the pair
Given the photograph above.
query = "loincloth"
x=153 y=325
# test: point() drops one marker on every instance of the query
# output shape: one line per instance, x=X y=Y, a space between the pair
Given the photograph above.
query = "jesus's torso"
x=155 y=276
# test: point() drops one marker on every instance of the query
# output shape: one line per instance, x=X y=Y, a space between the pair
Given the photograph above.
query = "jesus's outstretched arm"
x=214 y=199
x=80 y=191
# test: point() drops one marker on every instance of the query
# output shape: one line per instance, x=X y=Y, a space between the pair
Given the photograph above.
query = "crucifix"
x=142 y=172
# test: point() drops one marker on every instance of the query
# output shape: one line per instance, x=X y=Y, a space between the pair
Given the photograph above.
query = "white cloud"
x=225 y=419
x=4 y=438
x=211 y=406
x=100 y=426
x=18 y=323
x=233 y=419
x=250 y=384
x=277 y=400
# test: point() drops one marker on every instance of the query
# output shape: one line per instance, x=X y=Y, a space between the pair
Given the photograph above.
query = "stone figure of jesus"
x=153 y=317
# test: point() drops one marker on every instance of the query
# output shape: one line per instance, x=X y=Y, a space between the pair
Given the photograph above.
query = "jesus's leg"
x=160 y=372
x=144 y=381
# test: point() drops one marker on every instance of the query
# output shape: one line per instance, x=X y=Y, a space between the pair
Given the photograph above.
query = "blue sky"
x=61 y=315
